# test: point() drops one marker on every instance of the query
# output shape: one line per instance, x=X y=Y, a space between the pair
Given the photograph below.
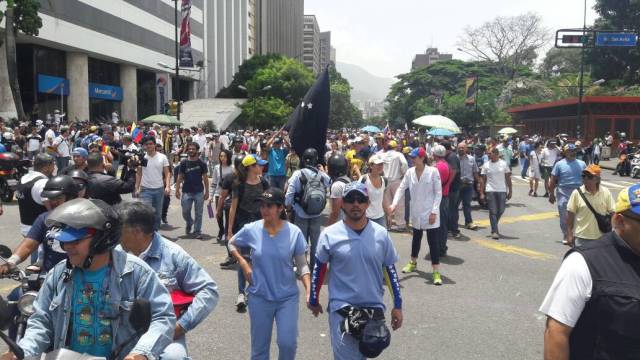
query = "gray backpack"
x=313 y=198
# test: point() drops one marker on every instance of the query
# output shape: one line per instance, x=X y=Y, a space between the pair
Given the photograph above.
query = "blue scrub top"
x=273 y=277
x=356 y=264
x=277 y=162
x=569 y=173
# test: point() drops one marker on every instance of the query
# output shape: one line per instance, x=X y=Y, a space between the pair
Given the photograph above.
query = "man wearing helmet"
x=308 y=223
x=93 y=292
x=337 y=168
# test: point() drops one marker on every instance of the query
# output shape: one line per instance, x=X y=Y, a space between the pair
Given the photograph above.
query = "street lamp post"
x=254 y=120
x=177 y=46
x=581 y=84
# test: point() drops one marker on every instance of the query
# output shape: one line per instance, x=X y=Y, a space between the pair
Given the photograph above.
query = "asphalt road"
x=486 y=309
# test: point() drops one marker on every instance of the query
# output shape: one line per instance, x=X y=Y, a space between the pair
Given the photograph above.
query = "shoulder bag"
x=604 y=221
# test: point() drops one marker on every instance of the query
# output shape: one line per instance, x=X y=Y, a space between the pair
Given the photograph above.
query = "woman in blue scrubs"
x=277 y=246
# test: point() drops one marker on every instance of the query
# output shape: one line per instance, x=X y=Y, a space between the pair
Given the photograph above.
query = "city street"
x=487 y=307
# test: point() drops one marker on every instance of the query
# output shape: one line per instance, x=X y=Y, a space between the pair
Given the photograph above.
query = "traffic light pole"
x=581 y=81
x=177 y=59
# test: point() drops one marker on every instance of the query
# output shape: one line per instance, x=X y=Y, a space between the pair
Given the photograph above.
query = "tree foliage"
x=510 y=42
x=343 y=112
x=612 y=63
x=558 y=62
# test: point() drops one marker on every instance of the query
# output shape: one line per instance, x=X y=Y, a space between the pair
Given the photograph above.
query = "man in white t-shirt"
x=548 y=159
x=592 y=306
x=496 y=176
x=61 y=144
x=153 y=178
x=201 y=139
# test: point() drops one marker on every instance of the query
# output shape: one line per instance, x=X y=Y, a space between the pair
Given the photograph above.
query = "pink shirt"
x=443 y=169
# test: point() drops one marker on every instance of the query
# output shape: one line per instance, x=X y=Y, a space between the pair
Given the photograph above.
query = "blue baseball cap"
x=570 y=147
x=80 y=152
x=355 y=186
x=69 y=234
x=629 y=200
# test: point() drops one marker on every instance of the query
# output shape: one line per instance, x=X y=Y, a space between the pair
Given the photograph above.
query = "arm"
x=553 y=180
x=193 y=279
x=167 y=180
x=179 y=184
x=138 y=179
x=570 y=223
x=242 y=262
x=232 y=216
x=404 y=184
x=437 y=190
x=220 y=205
x=556 y=340
x=507 y=178
x=205 y=182
x=391 y=278
x=317 y=279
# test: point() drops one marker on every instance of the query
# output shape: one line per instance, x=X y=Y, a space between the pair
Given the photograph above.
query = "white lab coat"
x=426 y=195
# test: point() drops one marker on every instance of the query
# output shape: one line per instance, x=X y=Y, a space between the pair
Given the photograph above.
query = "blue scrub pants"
x=262 y=312
x=344 y=347
x=562 y=198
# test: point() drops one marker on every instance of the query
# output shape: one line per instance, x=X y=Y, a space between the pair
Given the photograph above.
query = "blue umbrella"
x=440 y=132
x=371 y=129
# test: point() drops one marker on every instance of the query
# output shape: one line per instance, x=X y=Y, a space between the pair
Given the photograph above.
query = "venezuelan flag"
x=136 y=133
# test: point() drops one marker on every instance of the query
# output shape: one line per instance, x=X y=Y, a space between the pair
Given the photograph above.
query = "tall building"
x=311 y=54
x=326 y=55
x=95 y=57
x=429 y=57
x=280 y=27
x=231 y=39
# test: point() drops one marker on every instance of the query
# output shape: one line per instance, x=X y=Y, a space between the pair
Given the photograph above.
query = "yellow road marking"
x=532 y=254
x=515 y=219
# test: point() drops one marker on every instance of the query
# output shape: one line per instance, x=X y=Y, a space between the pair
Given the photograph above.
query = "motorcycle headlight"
x=25 y=304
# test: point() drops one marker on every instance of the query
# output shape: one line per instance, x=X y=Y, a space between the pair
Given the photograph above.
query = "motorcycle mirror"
x=5 y=252
x=140 y=317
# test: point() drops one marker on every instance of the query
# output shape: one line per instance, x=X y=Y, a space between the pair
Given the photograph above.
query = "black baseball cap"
x=272 y=196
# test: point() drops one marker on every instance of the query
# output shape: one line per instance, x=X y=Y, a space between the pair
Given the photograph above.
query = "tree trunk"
x=12 y=66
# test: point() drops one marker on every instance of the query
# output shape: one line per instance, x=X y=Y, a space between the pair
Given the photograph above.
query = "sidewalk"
x=609 y=164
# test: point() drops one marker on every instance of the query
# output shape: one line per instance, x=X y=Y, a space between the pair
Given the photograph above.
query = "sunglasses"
x=588 y=176
x=359 y=198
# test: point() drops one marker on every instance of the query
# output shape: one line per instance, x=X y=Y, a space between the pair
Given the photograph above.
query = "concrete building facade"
x=311 y=53
x=94 y=57
x=429 y=57
x=327 y=52
x=280 y=27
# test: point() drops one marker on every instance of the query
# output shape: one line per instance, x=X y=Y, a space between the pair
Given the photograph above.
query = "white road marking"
x=613 y=185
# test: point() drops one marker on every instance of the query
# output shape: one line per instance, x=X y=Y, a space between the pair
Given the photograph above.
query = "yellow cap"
x=629 y=200
x=393 y=144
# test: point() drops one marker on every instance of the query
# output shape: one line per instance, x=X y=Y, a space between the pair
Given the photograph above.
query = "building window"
x=602 y=127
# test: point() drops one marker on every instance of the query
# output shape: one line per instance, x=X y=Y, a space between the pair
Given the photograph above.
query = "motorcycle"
x=30 y=281
x=635 y=166
x=12 y=168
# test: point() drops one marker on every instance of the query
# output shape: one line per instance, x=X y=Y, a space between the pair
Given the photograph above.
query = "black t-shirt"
x=454 y=164
x=227 y=184
x=192 y=172
x=53 y=252
x=250 y=194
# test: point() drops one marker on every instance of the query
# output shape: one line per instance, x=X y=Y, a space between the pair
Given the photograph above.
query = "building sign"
x=105 y=92
x=53 y=85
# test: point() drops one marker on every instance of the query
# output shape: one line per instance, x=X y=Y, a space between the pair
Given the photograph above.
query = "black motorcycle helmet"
x=337 y=166
x=310 y=157
x=60 y=185
x=91 y=215
x=237 y=162
x=80 y=178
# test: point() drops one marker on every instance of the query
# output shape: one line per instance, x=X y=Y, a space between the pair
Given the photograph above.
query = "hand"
x=552 y=198
x=509 y=193
x=571 y=240
x=396 y=319
x=136 y=193
x=135 y=357
x=167 y=190
x=7 y=269
x=248 y=274
x=8 y=356
x=179 y=332
x=315 y=309
x=432 y=219
x=177 y=194
x=392 y=209
x=206 y=196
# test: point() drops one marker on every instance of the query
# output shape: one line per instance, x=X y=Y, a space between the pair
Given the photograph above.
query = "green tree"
x=616 y=63
x=560 y=62
x=286 y=78
x=343 y=112
x=246 y=72
x=264 y=112
x=21 y=15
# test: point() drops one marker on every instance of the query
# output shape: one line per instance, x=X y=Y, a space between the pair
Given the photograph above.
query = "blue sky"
x=383 y=36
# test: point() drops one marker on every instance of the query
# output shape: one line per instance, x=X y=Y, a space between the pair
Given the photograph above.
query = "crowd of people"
x=283 y=217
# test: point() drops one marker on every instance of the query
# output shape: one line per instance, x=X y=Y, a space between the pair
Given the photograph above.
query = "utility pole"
x=177 y=60
x=581 y=81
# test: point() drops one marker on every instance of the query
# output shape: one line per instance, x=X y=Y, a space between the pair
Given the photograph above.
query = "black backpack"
x=313 y=197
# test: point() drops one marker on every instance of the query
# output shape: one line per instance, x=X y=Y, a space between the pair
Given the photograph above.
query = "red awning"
x=574 y=101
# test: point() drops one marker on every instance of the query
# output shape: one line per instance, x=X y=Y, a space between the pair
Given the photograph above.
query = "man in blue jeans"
x=277 y=158
x=193 y=173
x=469 y=173
x=153 y=177
x=566 y=176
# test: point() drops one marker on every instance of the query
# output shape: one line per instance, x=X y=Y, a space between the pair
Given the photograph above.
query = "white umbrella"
x=437 y=121
x=507 y=131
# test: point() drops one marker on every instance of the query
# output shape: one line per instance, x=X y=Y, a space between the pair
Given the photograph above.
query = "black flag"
x=308 y=124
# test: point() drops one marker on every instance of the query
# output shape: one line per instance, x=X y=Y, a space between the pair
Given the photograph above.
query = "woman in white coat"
x=425 y=189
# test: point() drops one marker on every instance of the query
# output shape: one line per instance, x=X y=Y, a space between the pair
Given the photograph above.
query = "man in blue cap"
x=356 y=282
x=79 y=156
x=566 y=176
x=593 y=305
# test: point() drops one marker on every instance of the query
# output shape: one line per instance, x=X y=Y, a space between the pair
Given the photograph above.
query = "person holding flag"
x=136 y=133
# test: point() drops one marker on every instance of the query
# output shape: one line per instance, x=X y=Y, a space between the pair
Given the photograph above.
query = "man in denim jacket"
x=97 y=312
x=177 y=270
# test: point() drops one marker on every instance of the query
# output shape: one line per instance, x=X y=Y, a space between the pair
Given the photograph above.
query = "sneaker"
x=471 y=226
x=546 y=194
x=565 y=242
x=241 y=303
x=495 y=236
x=410 y=267
x=455 y=235
x=228 y=262
x=187 y=230
x=437 y=279
x=198 y=236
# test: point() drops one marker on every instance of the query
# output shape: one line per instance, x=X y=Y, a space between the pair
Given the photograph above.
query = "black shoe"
x=228 y=262
x=546 y=195
x=165 y=221
x=219 y=238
